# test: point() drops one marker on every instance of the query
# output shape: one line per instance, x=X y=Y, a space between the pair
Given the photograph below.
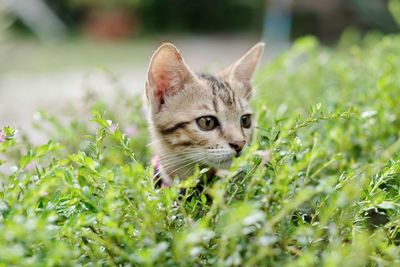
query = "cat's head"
x=200 y=117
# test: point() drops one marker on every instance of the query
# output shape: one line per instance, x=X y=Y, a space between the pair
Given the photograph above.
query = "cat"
x=198 y=119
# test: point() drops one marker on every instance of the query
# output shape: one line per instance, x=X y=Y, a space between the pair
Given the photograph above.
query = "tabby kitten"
x=198 y=118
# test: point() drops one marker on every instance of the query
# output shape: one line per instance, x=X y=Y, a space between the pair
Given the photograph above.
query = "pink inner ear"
x=162 y=85
x=167 y=74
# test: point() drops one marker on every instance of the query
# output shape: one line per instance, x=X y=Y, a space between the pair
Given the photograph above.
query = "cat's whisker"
x=222 y=153
x=180 y=161
x=218 y=164
x=173 y=117
x=190 y=163
x=175 y=155
x=192 y=149
x=168 y=155
x=256 y=91
x=157 y=141
x=261 y=82
x=187 y=162
x=183 y=161
x=153 y=142
x=172 y=164
x=187 y=173
x=188 y=149
x=175 y=160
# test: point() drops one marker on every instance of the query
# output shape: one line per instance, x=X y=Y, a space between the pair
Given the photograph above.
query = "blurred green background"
x=53 y=53
x=119 y=19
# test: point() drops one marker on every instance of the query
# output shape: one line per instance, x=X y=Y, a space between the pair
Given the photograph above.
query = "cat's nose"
x=237 y=146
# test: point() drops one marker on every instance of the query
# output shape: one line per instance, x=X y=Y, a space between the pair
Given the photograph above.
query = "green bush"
x=318 y=186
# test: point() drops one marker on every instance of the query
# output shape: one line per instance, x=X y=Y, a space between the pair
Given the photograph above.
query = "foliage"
x=201 y=16
x=318 y=186
x=172 y=15
x=104 y=3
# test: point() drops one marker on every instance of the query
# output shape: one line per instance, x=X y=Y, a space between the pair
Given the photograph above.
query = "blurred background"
x=54 y=54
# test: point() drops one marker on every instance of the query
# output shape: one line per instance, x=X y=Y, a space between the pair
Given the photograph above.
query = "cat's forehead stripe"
x=215 y=104
x=220 y=89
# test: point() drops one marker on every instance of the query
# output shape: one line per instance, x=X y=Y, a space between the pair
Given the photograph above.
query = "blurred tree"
x=201 y=16
x=67 y=11
x=102 y=19
x=373 y=14
x=162 y=15
x=326 y=19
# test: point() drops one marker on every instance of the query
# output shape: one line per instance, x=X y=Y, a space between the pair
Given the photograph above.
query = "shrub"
x=318 y=186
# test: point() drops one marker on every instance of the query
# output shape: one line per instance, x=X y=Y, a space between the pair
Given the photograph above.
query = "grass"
x=328 y=195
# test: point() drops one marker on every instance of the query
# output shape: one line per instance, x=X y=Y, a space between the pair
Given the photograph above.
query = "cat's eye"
x=207 y=123
x=245 y=121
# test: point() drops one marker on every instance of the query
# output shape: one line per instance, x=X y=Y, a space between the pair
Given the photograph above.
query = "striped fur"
x=177 y=98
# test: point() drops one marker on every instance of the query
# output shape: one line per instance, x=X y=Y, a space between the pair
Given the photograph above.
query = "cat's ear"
x=243 y=69
x=167 y=74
